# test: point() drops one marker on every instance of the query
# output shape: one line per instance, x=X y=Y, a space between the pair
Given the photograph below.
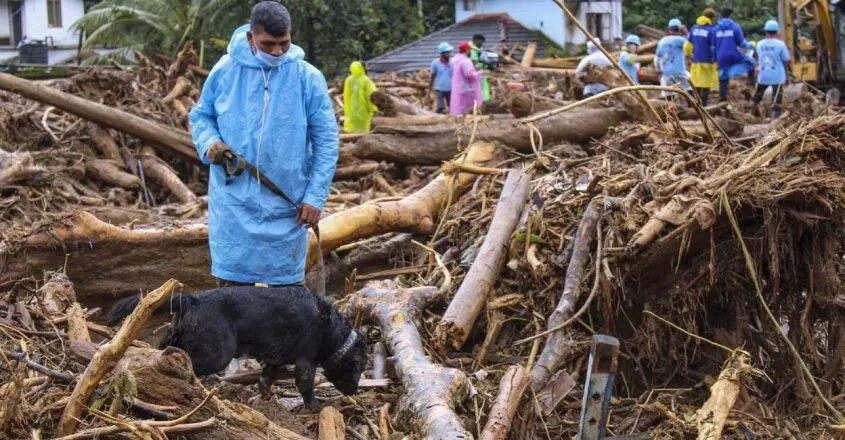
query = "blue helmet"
x=771 y=26
x=675 y=23
x=444 y=47
x=632 y=39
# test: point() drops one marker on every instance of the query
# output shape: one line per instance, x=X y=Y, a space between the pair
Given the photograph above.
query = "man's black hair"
x=270 y=17
x=675 y=29
x=479 y=37
x=727 y=12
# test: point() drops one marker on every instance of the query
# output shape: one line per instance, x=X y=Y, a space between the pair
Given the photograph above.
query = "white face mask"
x=267 y=59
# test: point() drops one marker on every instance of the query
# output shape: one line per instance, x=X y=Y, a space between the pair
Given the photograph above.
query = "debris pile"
x=480 y=255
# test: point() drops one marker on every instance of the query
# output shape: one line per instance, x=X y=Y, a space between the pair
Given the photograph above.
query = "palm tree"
x=155 y=25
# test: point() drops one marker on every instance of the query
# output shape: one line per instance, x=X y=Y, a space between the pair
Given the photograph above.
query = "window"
x=54 y=13
x=469 y=5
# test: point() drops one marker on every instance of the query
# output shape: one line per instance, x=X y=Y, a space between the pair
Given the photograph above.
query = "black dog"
x=277 y=326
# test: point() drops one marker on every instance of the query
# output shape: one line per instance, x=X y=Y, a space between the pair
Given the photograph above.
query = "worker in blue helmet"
x=774 y=59
x=628 y=57
x=669 y=58
x=441 y=76
x=701 y=47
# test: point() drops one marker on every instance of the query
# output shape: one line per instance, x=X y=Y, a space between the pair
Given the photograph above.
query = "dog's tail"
x=125 y=306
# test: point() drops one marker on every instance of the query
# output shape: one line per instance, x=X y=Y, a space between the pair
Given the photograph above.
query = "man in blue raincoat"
x=732 y=62
x=263 y=102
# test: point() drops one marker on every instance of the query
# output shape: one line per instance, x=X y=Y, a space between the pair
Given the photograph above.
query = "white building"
x=45 y=20
x=603 y=18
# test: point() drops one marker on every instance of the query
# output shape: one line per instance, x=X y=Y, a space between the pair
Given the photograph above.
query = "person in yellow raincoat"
x=701 y=49
x=357 y=108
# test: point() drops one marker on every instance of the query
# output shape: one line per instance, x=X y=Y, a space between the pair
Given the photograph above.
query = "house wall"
x=35 y=21
x=4 y=21
x=574 y=36
x=542 y=15
x=547 y=17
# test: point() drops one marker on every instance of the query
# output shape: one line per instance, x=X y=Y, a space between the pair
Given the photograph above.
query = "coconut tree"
x=155 y=25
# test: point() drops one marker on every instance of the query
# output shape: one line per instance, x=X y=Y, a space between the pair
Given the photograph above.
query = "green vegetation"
x=750 y=14
x=333 y=32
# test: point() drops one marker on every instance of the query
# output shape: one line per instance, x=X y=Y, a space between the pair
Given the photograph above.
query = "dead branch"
x=431 y=390
x=459 y=318
x=109 y=354
x=511 y=389
x=158 y=170
x=555 y=348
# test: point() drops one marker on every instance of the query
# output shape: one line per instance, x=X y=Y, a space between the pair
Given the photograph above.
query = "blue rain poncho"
x=253 y=233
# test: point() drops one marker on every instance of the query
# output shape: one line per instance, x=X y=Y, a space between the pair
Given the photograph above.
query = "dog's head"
x=345 y=371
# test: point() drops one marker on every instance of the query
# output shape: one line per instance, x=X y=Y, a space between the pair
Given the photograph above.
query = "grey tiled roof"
x=419 y=54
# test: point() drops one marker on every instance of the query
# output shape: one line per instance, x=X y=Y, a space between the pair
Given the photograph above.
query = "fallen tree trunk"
x=431 y=145
x=389 y=105
x=167 y=138
x=460 y=316
x=106 y=260
x=108 y=172
x=159 y=171
x=381 y=121
x=521 y=104
x=105 y=143
x=356 y=171
x=431 y=391
x=555 y=349
x=415 y=213
x=511 y=389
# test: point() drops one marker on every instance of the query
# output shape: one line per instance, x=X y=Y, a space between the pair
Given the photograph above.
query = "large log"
x=431 y=145
x=389 y=105
x=169 y=139
x=460 y=316
x=106 y=260
x=431 y=391
x=415 y=213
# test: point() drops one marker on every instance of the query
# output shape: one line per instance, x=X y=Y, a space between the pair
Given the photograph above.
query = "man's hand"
x=215 y=152
x=308 y=215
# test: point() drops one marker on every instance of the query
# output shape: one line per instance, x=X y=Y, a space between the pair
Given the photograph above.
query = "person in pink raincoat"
x=466 y=83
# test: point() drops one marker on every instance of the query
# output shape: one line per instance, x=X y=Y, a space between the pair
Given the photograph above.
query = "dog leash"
x=234 y=165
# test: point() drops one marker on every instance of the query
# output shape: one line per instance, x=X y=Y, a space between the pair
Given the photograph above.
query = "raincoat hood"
x=702 y=21
x=356 y=68
x=241 y=51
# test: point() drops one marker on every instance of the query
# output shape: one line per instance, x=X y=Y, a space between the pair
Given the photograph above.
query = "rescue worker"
x=669 y=58
x=441 y=76
x=732 y=62
x=773 y=67
x=701 y=48
x=358 y=110
x=628 y=57
x=466 y=83
x=263 y=102
x=475 y=55
x=597 y=58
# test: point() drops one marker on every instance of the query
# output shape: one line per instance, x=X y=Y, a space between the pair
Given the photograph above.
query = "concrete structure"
x=46 y=20
x=602 y=18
